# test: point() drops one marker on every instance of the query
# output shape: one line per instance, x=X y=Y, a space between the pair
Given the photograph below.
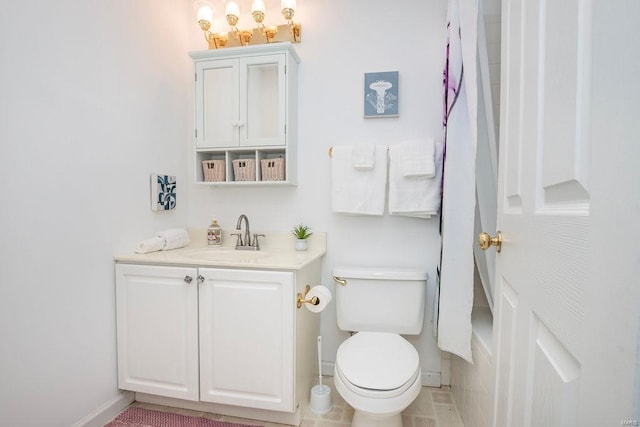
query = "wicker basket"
x=244 y=170
x=213 y=170
x=272 y=169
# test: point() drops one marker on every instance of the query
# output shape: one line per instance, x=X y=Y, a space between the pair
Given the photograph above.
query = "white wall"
x=96 y=95
x=93 y=98
x=340 y=42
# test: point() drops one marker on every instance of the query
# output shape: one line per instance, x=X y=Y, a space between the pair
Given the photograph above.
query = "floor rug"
x=140 y=417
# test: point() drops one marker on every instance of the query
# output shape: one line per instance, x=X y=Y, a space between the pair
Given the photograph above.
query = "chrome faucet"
x=245 y=244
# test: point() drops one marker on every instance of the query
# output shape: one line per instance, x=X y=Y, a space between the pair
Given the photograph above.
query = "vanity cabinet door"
x=157 y=330
x=246 y=338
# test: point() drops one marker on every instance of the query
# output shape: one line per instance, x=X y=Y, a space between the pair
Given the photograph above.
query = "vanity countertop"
x=277 y=252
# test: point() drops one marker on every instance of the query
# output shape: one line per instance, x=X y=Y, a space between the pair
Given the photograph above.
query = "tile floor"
x=434 y=407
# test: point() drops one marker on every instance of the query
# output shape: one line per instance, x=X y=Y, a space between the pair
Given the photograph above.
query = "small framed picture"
x=381 y=94
x=163 y=192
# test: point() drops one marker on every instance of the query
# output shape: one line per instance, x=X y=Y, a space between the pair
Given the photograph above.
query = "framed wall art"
x=163 y=192
x=381 y=94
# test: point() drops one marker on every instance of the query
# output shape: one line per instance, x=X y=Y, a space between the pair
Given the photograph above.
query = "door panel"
x=565 y=153
x=554 y=380
x=555 y=303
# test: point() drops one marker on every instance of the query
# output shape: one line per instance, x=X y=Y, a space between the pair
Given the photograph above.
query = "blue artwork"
x=381 y=94
x=163 y=192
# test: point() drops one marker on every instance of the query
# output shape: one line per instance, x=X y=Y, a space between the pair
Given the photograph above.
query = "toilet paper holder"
x=300 y=299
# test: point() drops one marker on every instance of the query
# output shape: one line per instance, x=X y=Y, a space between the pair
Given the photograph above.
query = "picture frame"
x=381 y=94
x=163 y=192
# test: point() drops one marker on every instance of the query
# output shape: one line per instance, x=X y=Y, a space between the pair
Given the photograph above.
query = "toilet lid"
x=377 y=360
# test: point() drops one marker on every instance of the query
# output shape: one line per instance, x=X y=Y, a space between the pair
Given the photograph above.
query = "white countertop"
x=276 y=252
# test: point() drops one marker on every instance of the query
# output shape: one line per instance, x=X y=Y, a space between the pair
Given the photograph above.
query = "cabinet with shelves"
x=246 y=109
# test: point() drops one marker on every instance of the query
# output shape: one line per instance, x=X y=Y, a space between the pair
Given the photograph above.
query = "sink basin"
x=230 y=255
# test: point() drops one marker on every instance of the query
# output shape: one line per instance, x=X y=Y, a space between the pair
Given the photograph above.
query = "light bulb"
x=232 y=9
x=205 y=13
x=288 y=4
x=258 y=6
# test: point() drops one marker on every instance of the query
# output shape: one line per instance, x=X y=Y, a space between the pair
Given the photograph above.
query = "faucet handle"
x=239 y=241
x=256 y=244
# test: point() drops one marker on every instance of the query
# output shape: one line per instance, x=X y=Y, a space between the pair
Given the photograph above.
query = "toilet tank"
x=380 y=299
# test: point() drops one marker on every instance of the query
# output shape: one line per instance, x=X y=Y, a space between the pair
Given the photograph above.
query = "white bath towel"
x=414 y=197
x=418 y=158
x=174 y=238
x=364 y=156
x=152 y=244
x=354 y=191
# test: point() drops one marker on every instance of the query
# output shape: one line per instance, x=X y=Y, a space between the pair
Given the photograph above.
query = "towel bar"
x=331 y=151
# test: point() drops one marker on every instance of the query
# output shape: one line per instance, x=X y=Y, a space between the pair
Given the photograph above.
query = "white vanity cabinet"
x=224 y=337
x=246 y=108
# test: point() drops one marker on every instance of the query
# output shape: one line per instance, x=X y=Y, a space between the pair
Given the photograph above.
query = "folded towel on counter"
x=173 y=238
x=152 y=244
x=414 y=197
x=356 y=191
x=363 y=156
x=418 y=158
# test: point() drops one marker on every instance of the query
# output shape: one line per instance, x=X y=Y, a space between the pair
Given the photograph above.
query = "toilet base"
x=363 y=419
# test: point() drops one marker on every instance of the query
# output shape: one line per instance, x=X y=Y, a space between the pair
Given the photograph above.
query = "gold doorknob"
x=485 y=241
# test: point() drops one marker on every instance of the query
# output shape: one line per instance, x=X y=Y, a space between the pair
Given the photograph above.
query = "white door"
x=568 y=275
x=246 y=338
x=157 y=314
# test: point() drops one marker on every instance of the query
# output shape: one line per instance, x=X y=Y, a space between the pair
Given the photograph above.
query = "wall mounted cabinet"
x=246 y=109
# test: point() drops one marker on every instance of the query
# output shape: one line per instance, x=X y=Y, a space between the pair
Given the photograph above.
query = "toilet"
x=377 y=371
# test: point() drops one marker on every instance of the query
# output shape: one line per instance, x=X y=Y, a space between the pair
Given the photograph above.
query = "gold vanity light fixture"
x=261 y=34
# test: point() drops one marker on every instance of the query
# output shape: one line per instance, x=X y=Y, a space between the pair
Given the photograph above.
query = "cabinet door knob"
x=188 y=279
x=200 y=279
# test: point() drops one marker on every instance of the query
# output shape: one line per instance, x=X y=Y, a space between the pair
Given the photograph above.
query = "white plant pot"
x=302 y=245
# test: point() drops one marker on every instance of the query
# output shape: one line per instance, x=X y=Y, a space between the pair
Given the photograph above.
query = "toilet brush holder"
x=320 y=401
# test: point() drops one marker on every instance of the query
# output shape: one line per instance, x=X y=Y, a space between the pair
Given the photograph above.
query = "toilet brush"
x=320 y=401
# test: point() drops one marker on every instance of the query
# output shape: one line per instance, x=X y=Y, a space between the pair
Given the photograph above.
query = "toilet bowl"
x=377 y=371
x=378 y=375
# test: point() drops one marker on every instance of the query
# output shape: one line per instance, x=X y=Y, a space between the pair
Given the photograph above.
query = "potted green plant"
x=301 y=233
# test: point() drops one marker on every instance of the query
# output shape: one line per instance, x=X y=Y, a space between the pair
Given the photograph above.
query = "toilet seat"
x=377 y=364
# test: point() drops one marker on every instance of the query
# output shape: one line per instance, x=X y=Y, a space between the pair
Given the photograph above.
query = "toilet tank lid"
x=380 y=273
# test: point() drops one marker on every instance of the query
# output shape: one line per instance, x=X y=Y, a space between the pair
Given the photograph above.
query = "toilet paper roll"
x=324 y=297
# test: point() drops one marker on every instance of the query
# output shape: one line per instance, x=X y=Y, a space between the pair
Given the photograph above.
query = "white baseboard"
x=429 y=379
x=107 y=412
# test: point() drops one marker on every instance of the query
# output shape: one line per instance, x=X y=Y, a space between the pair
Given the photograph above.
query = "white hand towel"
x=418 y=158
x=364 y=156
x=151 y=244
x=354 y=191
x=174 y=238
x=414 y=197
